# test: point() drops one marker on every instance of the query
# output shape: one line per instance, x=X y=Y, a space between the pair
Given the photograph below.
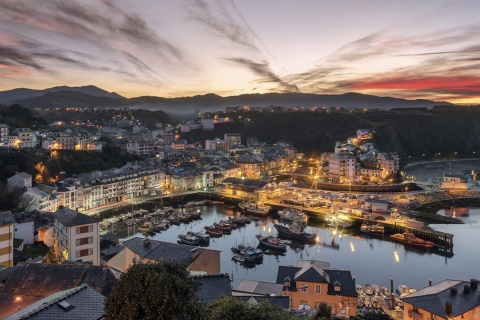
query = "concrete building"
x=76 y=237
x=454 y=181
x=4 y=130
x=342 y=168
x=7 y=229
x=19 y=181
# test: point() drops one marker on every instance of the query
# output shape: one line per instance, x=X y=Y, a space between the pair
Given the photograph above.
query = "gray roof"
x=158 y=250
x=85 y=303
x=6 y=217
x=259 y=287
x=34 y=281
x=247 y=183
x=70 y=218
x=434 y=298
x=344 y=279
x=213 y=287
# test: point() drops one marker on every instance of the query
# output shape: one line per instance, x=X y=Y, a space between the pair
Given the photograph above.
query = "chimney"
x=324 y=275
x=453 y=290
x=448 y=308
x=474 y=284
x=353 y=278
x=146 y=242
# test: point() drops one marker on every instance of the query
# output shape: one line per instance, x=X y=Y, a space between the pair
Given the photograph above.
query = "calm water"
x=370 y=260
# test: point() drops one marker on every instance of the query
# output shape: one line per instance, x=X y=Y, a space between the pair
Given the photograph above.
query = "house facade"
x=7 y=229
x=311 y=282
x=76 y=237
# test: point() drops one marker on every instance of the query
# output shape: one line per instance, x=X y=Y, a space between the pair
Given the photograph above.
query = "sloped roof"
x=70 y=218
x=248 y=183
x=87 y=304
x=434 y=298
x=287 y=274
x=213 y=287
x=311 y=275
x=344 y=279
x=259 y=287
x=157 y=250
x=34 y=281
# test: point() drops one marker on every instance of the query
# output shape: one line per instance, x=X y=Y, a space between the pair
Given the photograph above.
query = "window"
x=83 y=241
x=286 y=284
x=84 y=229
x=84 y=252
x=318 y=289
x=304 y=287
x=337 y=288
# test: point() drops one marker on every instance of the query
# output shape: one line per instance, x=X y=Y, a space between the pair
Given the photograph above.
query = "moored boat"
x=368 y=289
x=295 y=232
x=403 y=290
x=372 y=229
x=213 y=232
x=359 y=289
x=272 y=242
x=292 y=214
x=248 y=253
x=386 y=292
x=255 y=208
x=411 y=239
x=188 y=239
x=376 y=289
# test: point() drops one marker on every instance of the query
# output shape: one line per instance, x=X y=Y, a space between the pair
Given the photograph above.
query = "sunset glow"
x=408 y=49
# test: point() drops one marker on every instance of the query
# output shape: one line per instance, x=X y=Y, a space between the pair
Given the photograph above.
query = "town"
x=66 y=225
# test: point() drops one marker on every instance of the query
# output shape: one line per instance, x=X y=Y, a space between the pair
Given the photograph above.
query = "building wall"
x=25 y=231
x=313 y=298
x=6 y=245
x=67 y=248
x=208 y=261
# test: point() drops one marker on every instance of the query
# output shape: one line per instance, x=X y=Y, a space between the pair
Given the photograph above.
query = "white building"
x=4 y=129
x=20 y=180
x=7 y=221
x=342 y=168
x=76 y=237
x=453 y=181
x=208 y=123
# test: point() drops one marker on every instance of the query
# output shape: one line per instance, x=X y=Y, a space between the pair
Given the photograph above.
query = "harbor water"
x=372 y=260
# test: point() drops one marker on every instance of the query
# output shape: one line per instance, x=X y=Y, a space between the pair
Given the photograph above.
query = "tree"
x=229 y=308
x=324 y=311
x=162 y=290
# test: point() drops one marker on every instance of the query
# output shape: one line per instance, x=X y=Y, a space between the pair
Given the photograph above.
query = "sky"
x=411 y=49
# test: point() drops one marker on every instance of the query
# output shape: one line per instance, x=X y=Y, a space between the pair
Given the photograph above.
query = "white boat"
x=255 y=208
x=386 y=292
x=359 y=289
x=403 y=290
x=368 y=289
x=376 y=289
x=292 y=214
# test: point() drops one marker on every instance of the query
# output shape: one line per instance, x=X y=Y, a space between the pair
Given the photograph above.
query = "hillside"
x=90 y=96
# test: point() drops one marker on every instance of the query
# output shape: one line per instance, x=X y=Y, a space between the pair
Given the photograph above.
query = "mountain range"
x=92 y=96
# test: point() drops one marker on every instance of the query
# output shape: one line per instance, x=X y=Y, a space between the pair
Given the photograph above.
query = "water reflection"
x=368 y=258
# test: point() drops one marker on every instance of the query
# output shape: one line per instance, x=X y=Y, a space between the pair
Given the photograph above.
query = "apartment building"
x=76 y=237
x=7 y=229
x=342 y=168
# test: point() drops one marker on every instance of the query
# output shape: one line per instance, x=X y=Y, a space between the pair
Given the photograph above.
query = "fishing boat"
x=411 y=239
x=272 y=242
x=203 y=237
x=147 y=227
x=372 y=229
x=255 y=208
x=248 y=253
x=173 y=220
x=188 y=239
x=213 y=232
x=292 y=214
x=295 y=232
x=238 y=258
x=225 y=228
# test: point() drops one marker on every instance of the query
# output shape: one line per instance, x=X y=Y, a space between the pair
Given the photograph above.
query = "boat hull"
x=285 y=232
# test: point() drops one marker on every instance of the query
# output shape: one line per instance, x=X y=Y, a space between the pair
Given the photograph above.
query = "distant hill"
x=91 y=96
x=22 y=94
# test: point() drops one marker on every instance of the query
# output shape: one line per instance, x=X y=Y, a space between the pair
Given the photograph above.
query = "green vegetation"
x=229 y=308
x=161 y=290
x=422 y=135
x=16 y=116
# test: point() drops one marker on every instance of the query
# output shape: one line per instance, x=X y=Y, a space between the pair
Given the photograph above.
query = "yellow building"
x=6 y=238
x=446 y=300
x=312 y=282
